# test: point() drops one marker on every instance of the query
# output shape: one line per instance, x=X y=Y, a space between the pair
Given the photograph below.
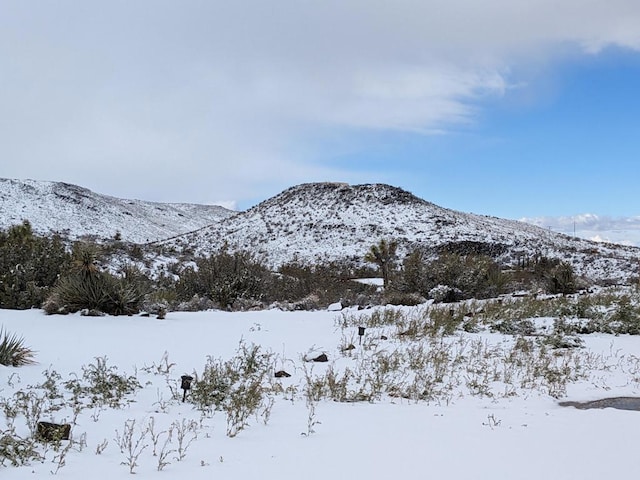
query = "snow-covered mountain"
x=310 y=223
x=332 y=221
x=75 y=212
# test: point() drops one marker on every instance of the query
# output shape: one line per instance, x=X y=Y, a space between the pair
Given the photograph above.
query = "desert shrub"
x=238 y=386
x=473 y=276
x=223 y=278
x=549 y=274
x=323 y=284
x=625 y=318
x=29 y=266
x=89 y=287
x=101 y=384
x=395 y=297
x=560 y=279
x=13 y=352
x=445 y=294
x=514 y=326
x=414 y=277
x=476 y=276
x=16 y=451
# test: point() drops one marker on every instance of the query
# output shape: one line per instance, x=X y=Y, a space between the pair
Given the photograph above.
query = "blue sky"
x=509 y=108
x=564 y=143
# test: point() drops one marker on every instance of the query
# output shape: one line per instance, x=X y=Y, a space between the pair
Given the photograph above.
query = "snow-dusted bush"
x=445 y=294
x=224 y=278
x=29 y=266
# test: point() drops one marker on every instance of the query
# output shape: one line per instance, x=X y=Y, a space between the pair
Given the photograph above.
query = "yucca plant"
x=88 y=287
x=13 y=352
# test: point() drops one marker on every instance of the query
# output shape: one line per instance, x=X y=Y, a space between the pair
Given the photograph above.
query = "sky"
x=510 y=108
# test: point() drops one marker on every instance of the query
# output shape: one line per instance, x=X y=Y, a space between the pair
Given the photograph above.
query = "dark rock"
x=321 y=358
x=469 y=247
x=282 y=374
x=53 y=432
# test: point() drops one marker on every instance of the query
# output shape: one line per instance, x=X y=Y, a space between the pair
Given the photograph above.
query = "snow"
x=522 y=436
x=73 y=211
x=379 y=282
x=335 y=307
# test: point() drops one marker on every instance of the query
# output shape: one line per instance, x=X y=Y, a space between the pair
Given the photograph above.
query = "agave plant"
x=13 y=352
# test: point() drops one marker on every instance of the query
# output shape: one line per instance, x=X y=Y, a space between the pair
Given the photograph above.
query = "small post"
x=360 y=334
x=186 y=385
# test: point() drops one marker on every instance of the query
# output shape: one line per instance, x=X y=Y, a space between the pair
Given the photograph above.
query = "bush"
x=466 y=276
x=310 y=287
x=445 y=294
x=88 y=287
x=13 y=352
x=395 y=297
x=561 y=279
x=29 y=266
x=223 y=278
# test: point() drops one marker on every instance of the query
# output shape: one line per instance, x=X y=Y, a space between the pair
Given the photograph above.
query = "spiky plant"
x=88 y=287
x=13 y=352
x=384 y=255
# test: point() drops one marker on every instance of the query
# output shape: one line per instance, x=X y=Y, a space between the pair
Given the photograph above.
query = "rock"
x=282 y=374
x=321 y=358
x=53 y=432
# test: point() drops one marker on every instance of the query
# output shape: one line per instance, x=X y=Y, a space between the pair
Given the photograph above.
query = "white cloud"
x=599 y=228
x=193 y=100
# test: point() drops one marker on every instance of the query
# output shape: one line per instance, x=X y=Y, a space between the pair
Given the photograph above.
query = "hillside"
x=322 y=222
x=74 y=212
x=309 y=223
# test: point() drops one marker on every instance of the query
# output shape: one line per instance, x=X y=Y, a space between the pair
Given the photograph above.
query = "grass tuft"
x=13 y=352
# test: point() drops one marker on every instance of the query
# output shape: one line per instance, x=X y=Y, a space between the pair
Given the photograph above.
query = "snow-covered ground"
x=523 y=434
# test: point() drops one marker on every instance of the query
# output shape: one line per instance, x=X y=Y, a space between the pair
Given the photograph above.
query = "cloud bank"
x=599 y=228
x=193 y=101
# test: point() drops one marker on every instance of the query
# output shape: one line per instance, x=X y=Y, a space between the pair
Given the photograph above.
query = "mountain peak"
x=342 y=195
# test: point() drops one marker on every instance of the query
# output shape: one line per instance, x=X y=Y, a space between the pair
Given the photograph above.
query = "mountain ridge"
x=75 y=212
x=310 y=223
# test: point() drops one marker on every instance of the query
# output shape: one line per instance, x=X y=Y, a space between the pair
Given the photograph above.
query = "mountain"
x=74 y=212
x=309 y=223
x=320 y=222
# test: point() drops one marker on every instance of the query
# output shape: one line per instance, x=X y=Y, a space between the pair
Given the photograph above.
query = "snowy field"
x=482 y=421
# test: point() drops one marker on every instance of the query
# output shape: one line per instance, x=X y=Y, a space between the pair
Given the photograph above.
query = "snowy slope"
x=332 y=221
x=75 y=212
